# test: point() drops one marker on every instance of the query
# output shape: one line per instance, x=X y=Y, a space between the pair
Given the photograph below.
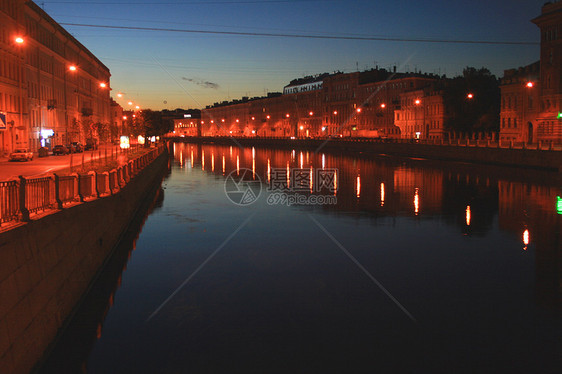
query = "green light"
x=559 y=115
x=559 y=204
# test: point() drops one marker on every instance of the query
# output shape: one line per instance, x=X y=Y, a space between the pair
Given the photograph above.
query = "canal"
x=290 y=261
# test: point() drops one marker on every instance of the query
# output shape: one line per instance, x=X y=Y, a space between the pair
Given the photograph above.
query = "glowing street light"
x=530 y=84
x=470 y=96
x=19 y=40
x=335 y=112
x=310 y=113
x=358 y=110
x=103 y=85
x=119 y=94
x=137 y=107
x=72 y=68
x=417 y=102
x=383 y=105
x=130 y=103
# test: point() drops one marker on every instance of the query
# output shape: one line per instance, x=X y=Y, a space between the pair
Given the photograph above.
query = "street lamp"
x=470 y=96
x=71 y=68
x=19 y=40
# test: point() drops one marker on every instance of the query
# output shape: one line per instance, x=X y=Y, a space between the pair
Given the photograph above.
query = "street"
x=50 y=164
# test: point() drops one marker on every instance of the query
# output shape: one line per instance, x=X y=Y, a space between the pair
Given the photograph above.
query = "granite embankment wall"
x=478 y=152
x=47 y=265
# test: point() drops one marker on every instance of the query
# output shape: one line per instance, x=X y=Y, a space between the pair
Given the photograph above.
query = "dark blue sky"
x=194 y=70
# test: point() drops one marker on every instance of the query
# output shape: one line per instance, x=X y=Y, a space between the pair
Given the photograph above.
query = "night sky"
x=160 y=69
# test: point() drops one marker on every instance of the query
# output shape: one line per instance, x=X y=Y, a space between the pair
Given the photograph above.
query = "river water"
x=385 y=264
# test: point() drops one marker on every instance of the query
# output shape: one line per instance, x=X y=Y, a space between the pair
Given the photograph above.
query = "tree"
x=113 y=131
x=480 y=113
x=154 y=123
x=101 y=129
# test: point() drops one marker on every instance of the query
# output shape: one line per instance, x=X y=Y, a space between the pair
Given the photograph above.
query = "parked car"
x=91 y=145
x=78 y=147
x=60 y=150
x=21 y=154
x=43 y=152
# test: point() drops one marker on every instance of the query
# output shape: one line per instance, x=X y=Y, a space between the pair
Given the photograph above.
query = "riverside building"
x=358 y=104
x=53 y=90
x=531 y=107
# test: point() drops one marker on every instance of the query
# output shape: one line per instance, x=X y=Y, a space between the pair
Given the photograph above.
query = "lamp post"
x=71 y=68
x=19 y=41
x=529 y=85
x=417 y=103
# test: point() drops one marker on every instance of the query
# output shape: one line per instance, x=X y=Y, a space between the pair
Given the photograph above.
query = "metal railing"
x=9 y=201
x=22 y=198
x=459 y=141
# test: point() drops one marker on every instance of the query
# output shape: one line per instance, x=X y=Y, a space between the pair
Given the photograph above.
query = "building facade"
x=520 y=95
x=421 y=115
x=55 y=90
x=358 y=104
x=531 y=108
